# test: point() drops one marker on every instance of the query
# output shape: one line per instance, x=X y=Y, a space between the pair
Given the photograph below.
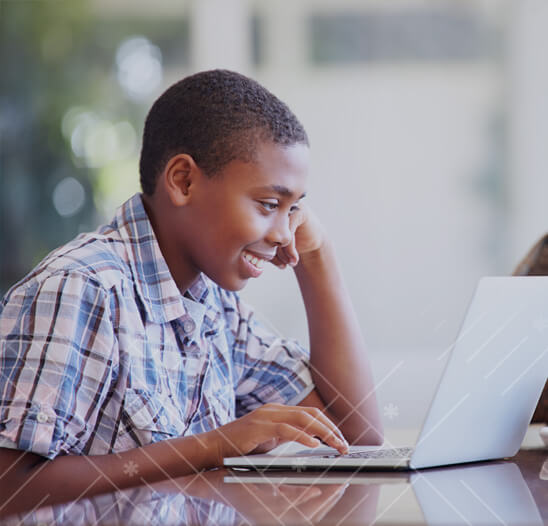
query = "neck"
x=182 y=271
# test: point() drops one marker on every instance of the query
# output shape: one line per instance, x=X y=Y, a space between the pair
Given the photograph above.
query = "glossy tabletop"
x=513 y=491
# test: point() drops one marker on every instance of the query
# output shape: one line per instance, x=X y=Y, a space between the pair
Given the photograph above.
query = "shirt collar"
x=153 y=281
x=204 y=292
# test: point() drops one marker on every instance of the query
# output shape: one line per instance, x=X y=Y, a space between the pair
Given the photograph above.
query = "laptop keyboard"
x=396 y=452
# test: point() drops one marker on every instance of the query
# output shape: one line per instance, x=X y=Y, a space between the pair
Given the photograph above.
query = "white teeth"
x=254 y=260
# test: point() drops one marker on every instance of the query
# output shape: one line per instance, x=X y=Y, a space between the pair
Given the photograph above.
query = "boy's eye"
x=269 y=205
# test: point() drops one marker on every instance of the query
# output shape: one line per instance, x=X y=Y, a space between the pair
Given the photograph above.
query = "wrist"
x=201 y=451
x=316 y=257
x=212 y=444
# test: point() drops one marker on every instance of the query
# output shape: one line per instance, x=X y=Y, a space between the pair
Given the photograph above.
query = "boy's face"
x=236 y=220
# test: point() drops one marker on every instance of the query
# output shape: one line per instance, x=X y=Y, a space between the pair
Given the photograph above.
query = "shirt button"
x=189 y=326
x=42 y=418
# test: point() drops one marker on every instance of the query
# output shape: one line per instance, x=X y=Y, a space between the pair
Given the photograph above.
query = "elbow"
x=373 y=436
x=377 y=434
x=376 y=438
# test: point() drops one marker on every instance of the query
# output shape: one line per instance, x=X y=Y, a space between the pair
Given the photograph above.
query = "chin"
x=232 y=285
x=235 y=287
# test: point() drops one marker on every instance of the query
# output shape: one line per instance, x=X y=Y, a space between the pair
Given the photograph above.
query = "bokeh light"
x=96 y=141
x=139 y=67
x=68 y=197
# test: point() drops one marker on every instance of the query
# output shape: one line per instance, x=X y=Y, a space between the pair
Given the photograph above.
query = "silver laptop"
x=486 y=396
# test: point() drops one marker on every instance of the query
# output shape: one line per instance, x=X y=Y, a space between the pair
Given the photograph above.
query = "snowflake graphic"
x=391 y=411
x=131 y=468
x=540 y=323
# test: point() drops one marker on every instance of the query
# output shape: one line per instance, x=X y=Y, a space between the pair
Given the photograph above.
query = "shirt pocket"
x=147 y=418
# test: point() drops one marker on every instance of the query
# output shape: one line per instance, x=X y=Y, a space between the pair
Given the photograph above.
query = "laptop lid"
x=493 y=378
x=486 y=395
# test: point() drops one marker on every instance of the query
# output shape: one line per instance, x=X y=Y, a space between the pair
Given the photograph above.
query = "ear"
x=179 y=176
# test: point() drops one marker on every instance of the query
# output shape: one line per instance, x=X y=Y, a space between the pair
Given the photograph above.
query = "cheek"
x=231 y=226
x=254 y=228
x=246 y=225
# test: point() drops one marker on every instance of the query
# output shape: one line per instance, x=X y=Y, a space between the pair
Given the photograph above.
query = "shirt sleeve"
x=56 y=342
x=267 y=367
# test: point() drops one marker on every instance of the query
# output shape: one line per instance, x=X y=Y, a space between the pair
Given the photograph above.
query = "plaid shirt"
x=142 y=505
x=100 y=352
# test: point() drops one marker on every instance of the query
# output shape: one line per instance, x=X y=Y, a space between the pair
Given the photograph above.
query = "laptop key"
x=397 y=452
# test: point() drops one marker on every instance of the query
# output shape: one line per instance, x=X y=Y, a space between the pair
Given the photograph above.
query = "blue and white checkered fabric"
x=100 y=352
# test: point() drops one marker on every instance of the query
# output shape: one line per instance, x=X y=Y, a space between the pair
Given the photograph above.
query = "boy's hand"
x=307 y=236
x=272 y=424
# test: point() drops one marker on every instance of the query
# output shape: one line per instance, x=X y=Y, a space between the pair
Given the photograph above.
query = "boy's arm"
x=28 y=480
x=338 y=357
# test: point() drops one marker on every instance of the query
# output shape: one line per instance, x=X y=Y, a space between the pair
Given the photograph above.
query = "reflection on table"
x=501 y=492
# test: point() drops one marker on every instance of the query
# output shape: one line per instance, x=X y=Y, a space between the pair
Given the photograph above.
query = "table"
x=512 y=491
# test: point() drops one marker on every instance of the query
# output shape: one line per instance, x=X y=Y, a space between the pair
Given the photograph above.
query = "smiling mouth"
x=256 y=261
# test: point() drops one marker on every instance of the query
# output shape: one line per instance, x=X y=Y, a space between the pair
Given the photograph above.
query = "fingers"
x=298 y=218
x=309 y=416
x=290 y=433
x=295 y=493
x=273 y=424
x=290 y=252
x=320 y=415
x=327 y=432
x=316 y=508
x=310 y=426
x=276 y=260
x=287 y=255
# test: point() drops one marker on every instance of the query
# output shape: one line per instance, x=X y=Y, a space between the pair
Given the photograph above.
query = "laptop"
x=486 y=396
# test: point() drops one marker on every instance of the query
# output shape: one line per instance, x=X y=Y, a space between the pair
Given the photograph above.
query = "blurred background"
x=428 y=122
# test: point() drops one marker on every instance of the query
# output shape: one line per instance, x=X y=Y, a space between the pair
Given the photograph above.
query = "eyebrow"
x=282 y=190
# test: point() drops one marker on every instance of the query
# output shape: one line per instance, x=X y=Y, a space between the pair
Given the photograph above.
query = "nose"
x=280 y=233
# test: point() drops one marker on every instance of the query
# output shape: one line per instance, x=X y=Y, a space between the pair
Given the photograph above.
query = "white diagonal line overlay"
x=494 y=335
x=523 y=340
x=378 y=517
x=453 y=409
x=487 y=507
x=445 y=499
x=531 y=365
x=462 y=335
x=189 y=463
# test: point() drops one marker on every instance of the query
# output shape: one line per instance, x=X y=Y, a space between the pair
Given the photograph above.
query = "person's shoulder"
x=99 y=257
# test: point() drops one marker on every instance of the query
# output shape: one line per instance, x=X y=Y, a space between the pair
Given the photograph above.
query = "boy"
x=127 y=355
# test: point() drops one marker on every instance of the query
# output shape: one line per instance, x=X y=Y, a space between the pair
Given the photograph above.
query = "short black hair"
x=216 y=117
